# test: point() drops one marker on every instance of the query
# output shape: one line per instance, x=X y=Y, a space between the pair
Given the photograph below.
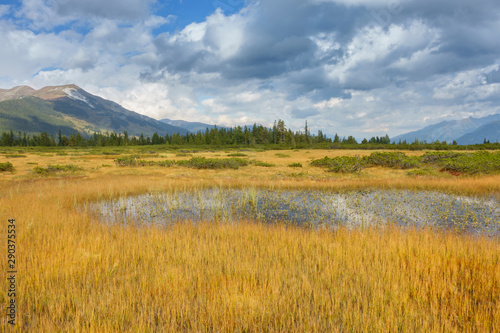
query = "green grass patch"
x=6 y=167
x=281 y=155
x=131 y=160
x=481 y=162
x=395 y=160
x=424 y=172
x=237 y=155
x=295 y=165
x=135 y=160
x=341 y=164
x=214 y=163
x=438 y=156
x=15 y=155
x=194 y=162
x=52 y=169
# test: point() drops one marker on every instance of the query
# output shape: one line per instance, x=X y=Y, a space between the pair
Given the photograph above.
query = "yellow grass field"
x=75 y=273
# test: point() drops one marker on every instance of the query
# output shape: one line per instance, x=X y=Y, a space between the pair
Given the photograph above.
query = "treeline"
x=256 y=135
x=237 y=136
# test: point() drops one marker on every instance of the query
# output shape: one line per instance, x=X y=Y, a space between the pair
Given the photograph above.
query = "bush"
x=237 y=155
x=164 y=163
x=214 y=163
x=395 y=160
x=479 y=162
x=436 y=157
x=131 y=160
x=295 y=165
x=15 y=155
x=342 y=164
x=6 y=167
x=50 y=169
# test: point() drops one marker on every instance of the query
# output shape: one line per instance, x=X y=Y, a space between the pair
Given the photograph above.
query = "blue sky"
x=189 y=11
x=353 y=67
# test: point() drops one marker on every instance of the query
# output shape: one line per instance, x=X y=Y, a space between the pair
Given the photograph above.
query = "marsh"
x=314 y=208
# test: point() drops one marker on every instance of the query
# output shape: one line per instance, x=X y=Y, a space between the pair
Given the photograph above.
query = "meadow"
x=79 y=272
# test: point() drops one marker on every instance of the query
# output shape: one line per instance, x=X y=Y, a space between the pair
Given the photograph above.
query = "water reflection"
x=305 y=207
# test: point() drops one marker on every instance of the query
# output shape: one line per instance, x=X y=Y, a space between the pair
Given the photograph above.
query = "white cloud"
x=317 y=60
x=328 y=104
x=224 y=35
x=248 y=96
x=325 y=42
x=471 y=85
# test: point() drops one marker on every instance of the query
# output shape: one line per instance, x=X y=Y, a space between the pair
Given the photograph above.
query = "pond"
x=324 y=209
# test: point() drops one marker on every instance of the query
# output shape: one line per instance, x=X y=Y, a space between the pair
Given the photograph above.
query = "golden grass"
x=76 y=274
x=96 y=166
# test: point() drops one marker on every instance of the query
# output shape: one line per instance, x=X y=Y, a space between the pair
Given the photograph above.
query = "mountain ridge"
x=72 y=109
x=489 y=132
x=451 y=130
x=192 y=126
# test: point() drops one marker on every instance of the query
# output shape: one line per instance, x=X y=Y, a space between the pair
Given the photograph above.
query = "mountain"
x=450 y=130
x=71 y=109
x=489 y=132
x=193 y=127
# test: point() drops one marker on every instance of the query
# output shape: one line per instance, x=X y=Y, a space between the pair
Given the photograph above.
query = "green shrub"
x=237 y=155
x=131 y=160
x=395 y=160
x=479 y=162
x=436 y=157
x=50 y=169
x=342 y=164
x=164 y=163
x=214 y=163
x=295 y=165
x=6 y=167
x=14 y=155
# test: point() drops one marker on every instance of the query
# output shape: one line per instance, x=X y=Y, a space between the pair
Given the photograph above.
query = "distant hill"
x=489 y=132
x=193 y=127
x=453 y=130
x=71 y=109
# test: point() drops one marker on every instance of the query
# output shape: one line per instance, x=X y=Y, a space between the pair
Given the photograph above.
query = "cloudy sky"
x=353 y=67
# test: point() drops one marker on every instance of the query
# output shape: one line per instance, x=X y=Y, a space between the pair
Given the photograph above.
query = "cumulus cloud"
x=348 y=66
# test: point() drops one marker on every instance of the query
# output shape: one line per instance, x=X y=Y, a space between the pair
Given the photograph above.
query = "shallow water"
x=305 y=207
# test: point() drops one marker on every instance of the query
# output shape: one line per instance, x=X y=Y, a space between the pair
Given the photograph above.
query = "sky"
x=353 y=67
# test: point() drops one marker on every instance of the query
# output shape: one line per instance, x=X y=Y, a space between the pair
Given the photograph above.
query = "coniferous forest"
x=256 y=135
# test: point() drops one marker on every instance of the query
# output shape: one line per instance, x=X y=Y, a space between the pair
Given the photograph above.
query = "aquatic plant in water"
x=311 y=208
